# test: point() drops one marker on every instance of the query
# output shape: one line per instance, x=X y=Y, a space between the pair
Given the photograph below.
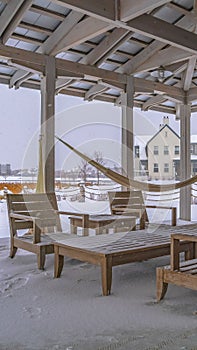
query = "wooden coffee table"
x=115 y=249
x=104 y=222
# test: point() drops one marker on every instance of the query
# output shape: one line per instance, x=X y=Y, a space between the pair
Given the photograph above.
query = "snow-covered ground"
x=39 y=312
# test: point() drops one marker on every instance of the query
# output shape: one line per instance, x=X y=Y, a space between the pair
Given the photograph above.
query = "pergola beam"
x=26 y=56
x=55 y=39
x=192 y=94
x=161 y=30
x=8 y=14
x=142 y=85
x=130 y=10
x=131 y=65
x=83 y=31
x=25 y=5
x=102 y=9
x=145 y=24
x=165 y=57
x=106 y=45
x=187 y=80
x=66 y=68
x=89 y=71
x=108 y=10
x=149 y=53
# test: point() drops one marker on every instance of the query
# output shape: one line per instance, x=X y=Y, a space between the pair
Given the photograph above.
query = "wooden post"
x=48 y=122
x=127 y=129
x=185 y=162
x=85 y=224
x=106 y=274
x=174 y=253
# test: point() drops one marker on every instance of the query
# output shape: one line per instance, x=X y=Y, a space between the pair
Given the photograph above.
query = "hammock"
x=130 y=183
x=40 y=185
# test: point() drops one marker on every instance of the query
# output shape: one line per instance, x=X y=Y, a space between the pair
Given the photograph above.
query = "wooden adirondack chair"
x=37 y=214
x=128 y=203
x=132 y=203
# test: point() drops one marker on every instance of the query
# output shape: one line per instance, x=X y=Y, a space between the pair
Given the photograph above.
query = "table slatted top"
x=153 y=236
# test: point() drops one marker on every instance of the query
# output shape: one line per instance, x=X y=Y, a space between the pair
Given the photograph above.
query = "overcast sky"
x=90 y=126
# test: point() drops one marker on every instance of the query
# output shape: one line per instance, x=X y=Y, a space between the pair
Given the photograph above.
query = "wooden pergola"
x=132 y=53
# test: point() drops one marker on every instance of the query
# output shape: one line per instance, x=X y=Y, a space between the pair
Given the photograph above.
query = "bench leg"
x=142 y=221
x=41 y=258
x=73 y=229
x=173 y=216
x=161 y=285
x=58 y=263
x=13 y=251
x=106 y=273
x=98 y=230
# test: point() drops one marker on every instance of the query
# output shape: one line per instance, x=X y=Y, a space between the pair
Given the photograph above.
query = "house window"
x=166 y=168
x=166 y=150
x=176 y=149
x=156 y=150
x=137 y=151
x=156 y=168
x=166 y=134
x=193 y=148
x=194 y=167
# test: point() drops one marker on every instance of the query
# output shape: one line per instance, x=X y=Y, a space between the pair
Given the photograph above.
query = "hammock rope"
x=125 y=181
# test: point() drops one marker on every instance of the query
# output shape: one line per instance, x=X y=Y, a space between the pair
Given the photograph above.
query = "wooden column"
x=48 y=122
x=127 y=129
x=185 y=162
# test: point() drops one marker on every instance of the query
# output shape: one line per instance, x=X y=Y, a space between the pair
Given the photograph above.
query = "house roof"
x=166 y=126
x=99 y=45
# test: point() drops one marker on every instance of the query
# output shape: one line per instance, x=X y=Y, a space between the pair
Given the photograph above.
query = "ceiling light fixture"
x=161 y=74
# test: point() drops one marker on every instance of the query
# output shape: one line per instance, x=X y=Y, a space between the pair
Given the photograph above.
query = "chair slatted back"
x=124 y=202
x=42 y=206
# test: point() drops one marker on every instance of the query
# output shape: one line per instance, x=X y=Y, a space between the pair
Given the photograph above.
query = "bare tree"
x=98 y=157
x=84 y=168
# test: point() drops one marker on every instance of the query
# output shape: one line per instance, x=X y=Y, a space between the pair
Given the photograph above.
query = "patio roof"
x=99 y=44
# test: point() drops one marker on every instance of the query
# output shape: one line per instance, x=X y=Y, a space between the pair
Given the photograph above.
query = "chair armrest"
x=174 y=211
x=160 y=207
x=36 y=224
x=71 y=213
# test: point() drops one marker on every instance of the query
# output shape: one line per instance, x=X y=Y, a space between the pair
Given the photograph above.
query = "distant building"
x=159 y=156
x=163 y=153
x=5 y=169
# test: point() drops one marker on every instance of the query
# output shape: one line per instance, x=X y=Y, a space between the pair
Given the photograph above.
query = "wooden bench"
x=115 y=249
x=102 y=223
x=179 y=273
x=37 y=214
x=132 y=203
